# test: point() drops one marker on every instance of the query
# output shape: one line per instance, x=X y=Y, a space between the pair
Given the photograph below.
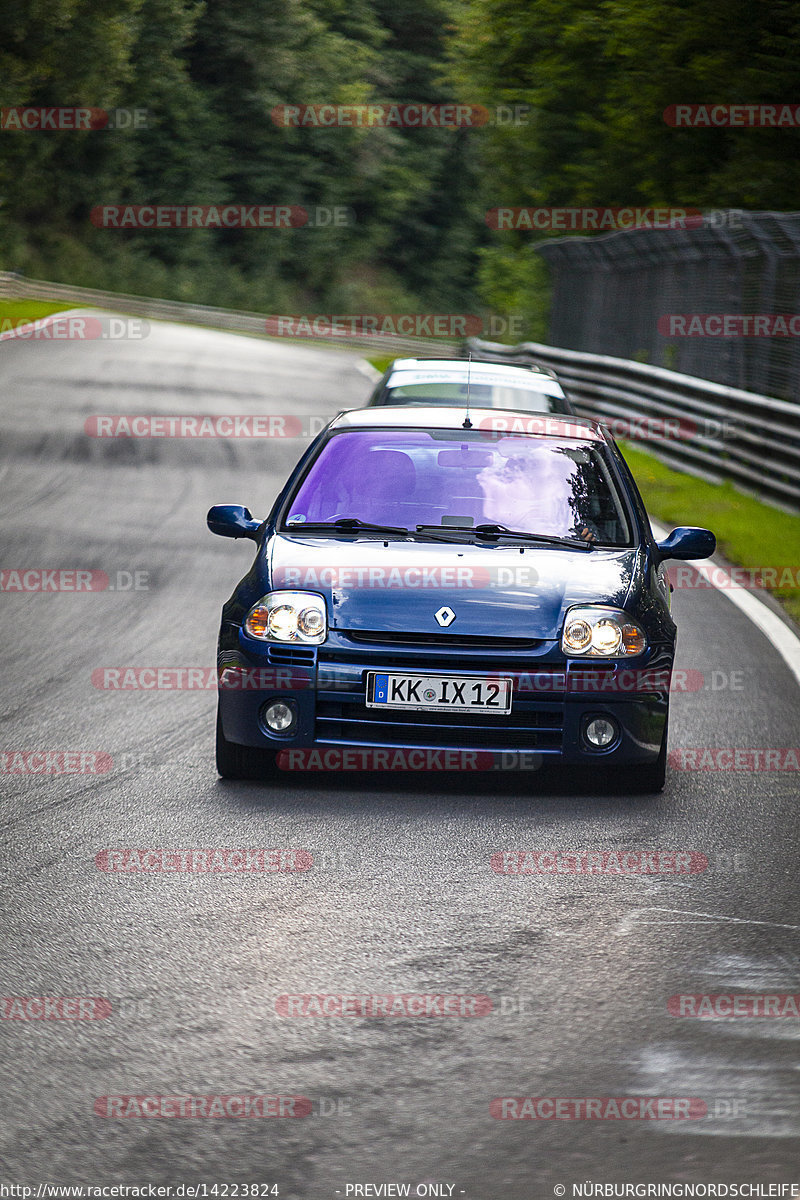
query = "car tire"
x=242 y=762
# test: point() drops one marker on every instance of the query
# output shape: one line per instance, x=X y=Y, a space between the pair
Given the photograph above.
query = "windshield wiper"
x=548 y=539
x=346 y=525
x=439 y=533
x=356 y=525
x=497 y=531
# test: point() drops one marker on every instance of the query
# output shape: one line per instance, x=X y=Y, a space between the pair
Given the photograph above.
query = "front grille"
x=351 y=722
x=417 y=659
x=454 y=640
x=292 y=656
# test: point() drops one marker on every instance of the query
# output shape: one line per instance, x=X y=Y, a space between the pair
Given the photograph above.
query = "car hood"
x=496 y=591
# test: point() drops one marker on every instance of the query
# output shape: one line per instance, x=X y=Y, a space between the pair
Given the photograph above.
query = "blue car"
x=441 y=587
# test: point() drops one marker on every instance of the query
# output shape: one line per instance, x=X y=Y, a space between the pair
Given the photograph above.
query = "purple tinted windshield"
x=408 y=478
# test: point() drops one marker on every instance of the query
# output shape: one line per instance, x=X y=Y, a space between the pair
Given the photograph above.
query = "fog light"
x=280 y=716
x=600 y=732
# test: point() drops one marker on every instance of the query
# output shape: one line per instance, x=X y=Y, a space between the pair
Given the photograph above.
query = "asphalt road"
x=401 y=898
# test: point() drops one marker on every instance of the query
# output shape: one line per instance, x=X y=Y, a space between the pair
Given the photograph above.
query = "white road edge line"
x=776 y=631
x=687 y=912
x=366 y=368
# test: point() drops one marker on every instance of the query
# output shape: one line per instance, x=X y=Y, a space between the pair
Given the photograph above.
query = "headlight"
x=594 y=632
x=288 y=617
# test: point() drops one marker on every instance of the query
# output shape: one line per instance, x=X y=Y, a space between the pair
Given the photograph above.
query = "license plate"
x=439 y=693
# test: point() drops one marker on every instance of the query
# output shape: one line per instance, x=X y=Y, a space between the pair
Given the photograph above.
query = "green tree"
x=598 y=79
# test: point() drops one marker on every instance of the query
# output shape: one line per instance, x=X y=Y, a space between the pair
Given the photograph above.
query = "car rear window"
x=559 y=487
x=481 y=395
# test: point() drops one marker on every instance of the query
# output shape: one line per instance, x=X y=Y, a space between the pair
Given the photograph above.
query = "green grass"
x=19 y=312
x=749 y=533
x=381 y=362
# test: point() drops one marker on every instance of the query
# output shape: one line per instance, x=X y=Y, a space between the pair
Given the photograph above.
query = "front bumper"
x=552 y=697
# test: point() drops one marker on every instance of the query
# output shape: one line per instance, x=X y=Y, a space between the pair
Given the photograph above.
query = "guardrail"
x=19 y=287
x=704 y=428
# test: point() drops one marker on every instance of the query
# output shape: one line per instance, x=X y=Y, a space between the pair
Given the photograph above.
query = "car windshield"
x=404 y=478
x=481 y=395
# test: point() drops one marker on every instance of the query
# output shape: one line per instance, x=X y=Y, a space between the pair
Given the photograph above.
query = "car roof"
x=536 y=378
x=410 y=364
x=452 y=417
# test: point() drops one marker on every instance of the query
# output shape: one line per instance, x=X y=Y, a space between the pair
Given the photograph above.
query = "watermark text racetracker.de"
x=389 y=325
x=705 y=1006
x=55 y=762
x=72 y=328
x=617 y=862
x=599 y=220
x=707 y=575
x=733 y=116
x=412 y=115
x=226 y=860
x=634 y=427
x=220 y=216
x=209 y=1106
x=205 y=425
x=598 y=1108
x=599 y=862
x=355 y=758
x=391 y=1004
x=780 y=760
x=196 y=679
x=70 y=118
x=591 y=219
x=616 y=1108
x=54 y=1008
x=729 y=325
x=71 y=580
x=417 y=325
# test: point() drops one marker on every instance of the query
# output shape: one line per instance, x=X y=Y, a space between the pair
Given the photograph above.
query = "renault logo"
x=445 y=616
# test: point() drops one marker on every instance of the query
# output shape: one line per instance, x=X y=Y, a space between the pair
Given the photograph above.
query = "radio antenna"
x=467 y=423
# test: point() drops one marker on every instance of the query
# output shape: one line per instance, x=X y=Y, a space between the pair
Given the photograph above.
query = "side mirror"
x=687 y=541
x=232 y=520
